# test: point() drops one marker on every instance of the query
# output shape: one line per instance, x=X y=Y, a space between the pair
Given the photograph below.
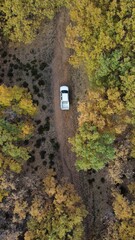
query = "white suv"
x=64 y=98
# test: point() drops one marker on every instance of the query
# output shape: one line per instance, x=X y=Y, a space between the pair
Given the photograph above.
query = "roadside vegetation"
x=57 y=213
x=21 y=20
x=16 y=126
x=122 y=227
x=102 y=37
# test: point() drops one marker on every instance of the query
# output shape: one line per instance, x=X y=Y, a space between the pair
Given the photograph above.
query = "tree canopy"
x=124 y=210
x=21 y=19
x=102 y=38
x=57 y=214
x=98 y=28
x=16 y=111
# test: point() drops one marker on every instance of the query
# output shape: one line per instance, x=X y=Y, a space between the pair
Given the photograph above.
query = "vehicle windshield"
x=64 y=91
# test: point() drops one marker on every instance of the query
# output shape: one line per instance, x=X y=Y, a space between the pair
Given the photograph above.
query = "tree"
x=125 y=213
x=105 y=110
x=85 y=34
x=116 y=168
x=101 y=35
x=57 y=214
x=128 y=90
x=21 y=19
x=20 y=209
x=15 y=126
x=99 y=28
x=18 y=99
x=111 y=67
x=93 y=149
x=124 y=209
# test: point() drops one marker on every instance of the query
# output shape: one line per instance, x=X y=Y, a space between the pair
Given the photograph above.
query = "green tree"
x=93 y=149
x=111 y=66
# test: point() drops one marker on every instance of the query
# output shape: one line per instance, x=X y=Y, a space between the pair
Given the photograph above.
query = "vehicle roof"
x=64 y=96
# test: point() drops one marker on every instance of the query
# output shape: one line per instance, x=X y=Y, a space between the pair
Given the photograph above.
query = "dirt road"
x=64 y=120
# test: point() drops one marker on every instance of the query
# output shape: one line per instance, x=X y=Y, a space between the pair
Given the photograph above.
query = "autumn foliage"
x=15 y=126
x=20 y=20
x=104 y=109
x=98 y=27
x=57 y=214
x=124 y=209
x=101 y=35
x=92 y=148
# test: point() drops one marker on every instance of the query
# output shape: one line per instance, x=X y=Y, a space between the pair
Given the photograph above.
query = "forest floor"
x=42 y=67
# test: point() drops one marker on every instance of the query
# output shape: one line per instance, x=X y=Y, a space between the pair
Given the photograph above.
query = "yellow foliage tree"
x=128 y=89
x=125 y=213
x=26 y=106
x=104 y=110
x=122 y=207
x=99 y=27
x=5 y=96
x=21 y=19
x=56 y=214
x=20 y=208
x=19 y=99
x=27 y=129
x=116 y=168
x=15 y=103
x=8 y=162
